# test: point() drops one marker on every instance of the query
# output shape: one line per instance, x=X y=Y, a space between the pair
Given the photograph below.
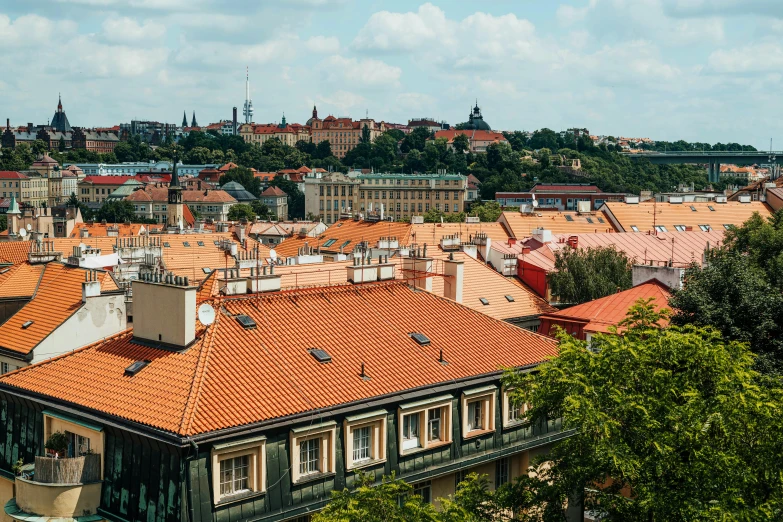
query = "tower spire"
x=184 y=119
x=194 y=123
x=247 y=110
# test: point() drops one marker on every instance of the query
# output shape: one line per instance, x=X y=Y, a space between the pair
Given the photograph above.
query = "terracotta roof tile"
x=647 y=214
x=59 y=295
x=20 y=280
x=608 y=311
x=234 y=377
x=348 y=230
x=521 y=225
x=101 y=230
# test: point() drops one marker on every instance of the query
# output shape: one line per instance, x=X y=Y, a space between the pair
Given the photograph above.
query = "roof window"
x=166 y=244
x=207 y=270
x=420 y=338
x=322 y=356
x=186 y=244
x=330 y=243
x=136 y=367
x=601 y=220
x=27 y=324
x=217 y=243
x=712 y=209
x=246 y=321
x=679 y=228
x=728 y=227
x=484 y=301
x=589 y=219
x=568 y=217
x=634 y=228
x=200 y=243
x=705 y=228
x=510 y=298
x=660 y=228
x=693 y=208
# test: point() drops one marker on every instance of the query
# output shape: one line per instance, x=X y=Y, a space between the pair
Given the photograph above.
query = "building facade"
x=152 y=203
x=396 y=196
x=343 y=134
x=277 y=201
x=559 y=196
x=288 y=134
x=93 y=140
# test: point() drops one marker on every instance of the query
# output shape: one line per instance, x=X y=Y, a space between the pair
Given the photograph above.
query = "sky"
x=698 y=70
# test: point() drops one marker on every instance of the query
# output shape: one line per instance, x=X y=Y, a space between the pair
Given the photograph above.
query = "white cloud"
x=568 y=15
x=27 y=30
x=343 y=101
x=387 y=31
x=323 y=44
x=416 y=101
x=128 y=30
x=222 y=54
x=365 y=72
x=753 y=58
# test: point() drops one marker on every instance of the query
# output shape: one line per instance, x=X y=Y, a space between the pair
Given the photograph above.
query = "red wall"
x=534 y=277
x=571 y=327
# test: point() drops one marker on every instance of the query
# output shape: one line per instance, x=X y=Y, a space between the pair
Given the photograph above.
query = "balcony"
x=68 y=488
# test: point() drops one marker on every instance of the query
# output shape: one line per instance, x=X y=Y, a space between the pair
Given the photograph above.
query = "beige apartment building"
x=288 y=134
x=343 y=134
x=400 y=195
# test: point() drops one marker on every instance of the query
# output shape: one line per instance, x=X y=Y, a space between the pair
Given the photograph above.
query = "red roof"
x=473 y=135
x=10 y=174
x=608 y=311
x=231 y=376
x=273 y=191
x=107 y=180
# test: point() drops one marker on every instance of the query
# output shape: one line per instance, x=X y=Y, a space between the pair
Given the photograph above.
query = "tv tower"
x=248 y=108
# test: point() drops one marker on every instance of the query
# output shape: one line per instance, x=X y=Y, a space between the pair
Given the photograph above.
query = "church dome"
x=238 y=192
x=476 y=120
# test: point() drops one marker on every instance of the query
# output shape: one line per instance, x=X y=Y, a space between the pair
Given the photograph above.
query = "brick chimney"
x=454 y=270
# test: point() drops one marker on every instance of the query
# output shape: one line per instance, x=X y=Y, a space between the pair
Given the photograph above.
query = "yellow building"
x=343 y=134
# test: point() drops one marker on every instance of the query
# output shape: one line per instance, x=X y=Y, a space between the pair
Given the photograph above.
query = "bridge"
x=714 y=159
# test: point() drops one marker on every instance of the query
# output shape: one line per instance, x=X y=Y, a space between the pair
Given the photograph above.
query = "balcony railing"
x=76 y=470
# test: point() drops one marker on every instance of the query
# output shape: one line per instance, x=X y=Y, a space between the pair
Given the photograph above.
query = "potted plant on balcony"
x=57 y=445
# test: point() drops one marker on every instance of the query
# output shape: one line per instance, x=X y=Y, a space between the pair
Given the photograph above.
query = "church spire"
x=184 y=119
x=59 y=102
x=194 y=123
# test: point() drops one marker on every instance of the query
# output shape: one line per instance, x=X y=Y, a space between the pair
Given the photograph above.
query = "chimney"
x=232 y=283
x=362 y=270
x=235 y=120
x=263 y=282
x=164 y=310
x=240 y=229
x=454 y=271
x=91 y=287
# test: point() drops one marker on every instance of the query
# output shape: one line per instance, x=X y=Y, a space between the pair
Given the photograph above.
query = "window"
x=728 y=227
x=234 y=475
x=513 y=414
x=314 y=451
x=478 y=406
x=705 y=228
x=660 y=228
x=309 y=456
x=4 y=368
x=423 y=490
x=634 y=228
x=502 y=468
x=679 y=228
x=693 y=208
x=424 y=424
x=365 y=439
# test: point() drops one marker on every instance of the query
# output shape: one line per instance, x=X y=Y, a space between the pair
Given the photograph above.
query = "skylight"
x=200 y=243
x=136 y=367
x=420 y=338
x=601 y=220
x=484 y=301
x=186 y=244
x=330 y=243
x=510 y=298
x=246 y=321
x=634 y=228
x=27 y=324
x=167 y=245
x=207 y=270
x=712 y=209
x=320 y=355
x=693 y=208
x=568 y=217
x=589 y=219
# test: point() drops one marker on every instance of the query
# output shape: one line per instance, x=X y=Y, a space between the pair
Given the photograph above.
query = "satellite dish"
x=206 y=314
x=272 y=254
x=22 y=232
x=29 y=227
x=535 y=203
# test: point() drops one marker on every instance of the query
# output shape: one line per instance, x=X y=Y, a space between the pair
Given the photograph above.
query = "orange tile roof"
x=348 y=230
x=608 y=311
x=521 y=225
x=432 y=233
x=189 y=261
x=233 y=377
x=20 y=280
x=58 y=296
x=16 y=252
x=101 y=230
x=644 y=215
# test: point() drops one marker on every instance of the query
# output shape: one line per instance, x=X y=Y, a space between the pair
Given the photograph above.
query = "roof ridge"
x=199 y=372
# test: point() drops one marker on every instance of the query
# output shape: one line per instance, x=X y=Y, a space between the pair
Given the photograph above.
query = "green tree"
x=74 y=202
x=487 y=212
x=740 y=290
x=261 y=209
x=3 y=222
x=323 y=150
x=244 y=176
x=676 y=416
x=365 y=137
x=116 y=212
x=416 y=140
x=296 y=203
x=39 y=148
x=61 y=145
x=461 y=143
x=241 y=211
x=583 y=275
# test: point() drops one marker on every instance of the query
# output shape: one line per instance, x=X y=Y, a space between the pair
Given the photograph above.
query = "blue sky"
x=700 y=70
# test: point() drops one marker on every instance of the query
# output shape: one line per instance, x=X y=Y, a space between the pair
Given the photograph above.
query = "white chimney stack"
x=91 y=287
x=454 y=270
x=164 y=310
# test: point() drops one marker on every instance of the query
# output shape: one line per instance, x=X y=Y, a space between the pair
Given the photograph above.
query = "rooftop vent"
x=510 y=298
x=320 y=355
x=420 y=338
x=484 y=301
x=27 y=324
x=136 y=367
x=246 y=321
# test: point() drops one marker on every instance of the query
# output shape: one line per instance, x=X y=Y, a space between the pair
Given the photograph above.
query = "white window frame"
x=486 y=396
x=420 y=409
x=508 y=408
x=375 y=421
x=255 y=450
x=325 y=433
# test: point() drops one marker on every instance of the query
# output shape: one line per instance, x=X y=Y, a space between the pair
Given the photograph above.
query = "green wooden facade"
x=148 y=479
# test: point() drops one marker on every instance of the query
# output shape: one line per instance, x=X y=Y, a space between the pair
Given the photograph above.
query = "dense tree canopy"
x=676 y=417
x=585 y=274
x=241 y=211
x=740 y=290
